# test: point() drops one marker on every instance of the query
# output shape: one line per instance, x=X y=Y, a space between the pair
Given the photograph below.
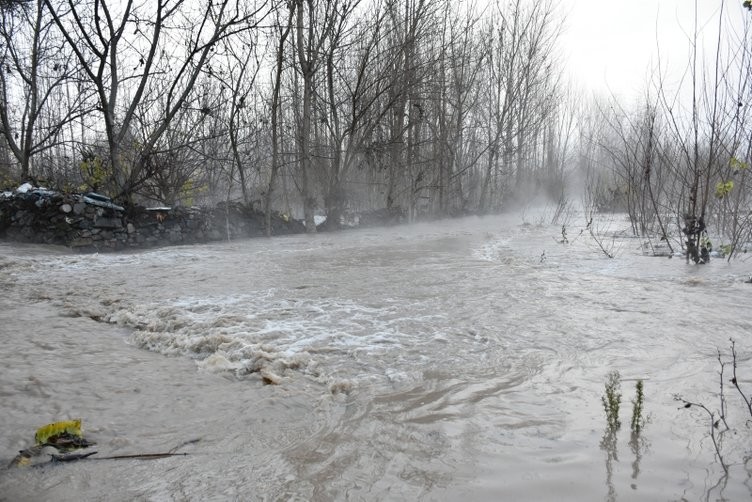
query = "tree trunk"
x=275 y=111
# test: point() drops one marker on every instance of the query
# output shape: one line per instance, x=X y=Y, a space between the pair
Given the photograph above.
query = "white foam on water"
x=492 y=250
x=250 y=333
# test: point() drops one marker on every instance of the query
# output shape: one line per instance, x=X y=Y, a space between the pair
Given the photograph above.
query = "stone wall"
x=91 y=222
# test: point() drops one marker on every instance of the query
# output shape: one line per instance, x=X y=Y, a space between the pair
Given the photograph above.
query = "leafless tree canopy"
x=328 y=107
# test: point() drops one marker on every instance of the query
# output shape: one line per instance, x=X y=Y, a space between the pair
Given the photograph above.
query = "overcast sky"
x=611 y=45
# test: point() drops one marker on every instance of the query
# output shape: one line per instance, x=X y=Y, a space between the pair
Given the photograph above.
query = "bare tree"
x=699 y=138
x=411 y=23
x=125 y=70
x=235 y=74
x=363 y=91
x=523 y=73
x=314 y=21
x=283 y=31
x=35 y=68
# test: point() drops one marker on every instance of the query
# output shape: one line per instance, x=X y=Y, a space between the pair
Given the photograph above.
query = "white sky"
x=612 y=45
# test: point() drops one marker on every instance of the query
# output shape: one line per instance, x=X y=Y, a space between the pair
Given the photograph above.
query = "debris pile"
x=66 y=439
x=63 y=437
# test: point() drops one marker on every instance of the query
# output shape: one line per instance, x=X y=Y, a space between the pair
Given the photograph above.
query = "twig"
x=723 y=397
x=71 y=458
x=139 y=456
x=190 y=441
x=713 y=426
x=143 y=456
x=735 y=381
x=151 y=456
x=597 y=240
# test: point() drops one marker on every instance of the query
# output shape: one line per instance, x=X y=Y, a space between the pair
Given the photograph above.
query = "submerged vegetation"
x=316 y=108
x=611 y=401
x=727 y=424
x=720 y=425
x=638 y=406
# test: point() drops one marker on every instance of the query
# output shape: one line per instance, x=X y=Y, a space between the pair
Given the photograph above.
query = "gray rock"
x=81 y=242
x=104 y=222
x=96 y=199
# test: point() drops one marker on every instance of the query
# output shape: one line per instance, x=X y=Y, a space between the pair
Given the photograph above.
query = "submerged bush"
x=612 y=400
x=638 y=420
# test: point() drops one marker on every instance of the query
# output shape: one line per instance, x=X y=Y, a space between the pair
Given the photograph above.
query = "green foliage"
x=189 y=190
x=7 y=181
x=93 y=171
x=723 y=189
x=706 y=243
x=736 y=164
x=638 y=420
x=186 y=192
x=747 y=4
x=612 y=400
x=727 y=249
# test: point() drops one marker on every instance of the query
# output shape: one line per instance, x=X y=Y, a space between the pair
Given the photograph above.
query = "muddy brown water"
x=459 y=360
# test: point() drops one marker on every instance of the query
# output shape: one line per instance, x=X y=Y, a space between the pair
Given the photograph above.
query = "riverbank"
x=93 y=222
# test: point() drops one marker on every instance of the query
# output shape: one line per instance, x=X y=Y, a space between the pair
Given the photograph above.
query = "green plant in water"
x=611 y=401
x=638 y=420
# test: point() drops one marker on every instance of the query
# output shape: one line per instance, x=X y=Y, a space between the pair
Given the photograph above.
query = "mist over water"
x=459 y=359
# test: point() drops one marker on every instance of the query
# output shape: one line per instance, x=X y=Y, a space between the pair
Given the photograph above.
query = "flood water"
x=458 y=360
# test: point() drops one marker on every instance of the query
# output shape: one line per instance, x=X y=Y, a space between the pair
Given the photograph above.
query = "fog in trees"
x=325 y=108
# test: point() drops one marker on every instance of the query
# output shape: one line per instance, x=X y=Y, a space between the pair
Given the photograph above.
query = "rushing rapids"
x=463 y=358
